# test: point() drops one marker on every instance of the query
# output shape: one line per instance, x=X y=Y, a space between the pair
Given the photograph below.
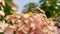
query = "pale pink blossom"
x=2 y=13
x=36 y=24
x=26 y=15
x=3 y=26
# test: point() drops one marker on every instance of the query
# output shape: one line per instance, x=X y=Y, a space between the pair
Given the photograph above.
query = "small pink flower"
x=2 y=13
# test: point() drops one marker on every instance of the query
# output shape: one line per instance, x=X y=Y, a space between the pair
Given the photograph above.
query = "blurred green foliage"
x=7 y=9
x=1 y=32
x=29 y=7
x=51 y=7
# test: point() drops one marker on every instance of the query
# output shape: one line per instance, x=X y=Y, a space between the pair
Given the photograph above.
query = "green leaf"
x=7 y=10
x=53 y=2
x=8 y=1
x=10 y=22
x=2 y=18
x=29 y=7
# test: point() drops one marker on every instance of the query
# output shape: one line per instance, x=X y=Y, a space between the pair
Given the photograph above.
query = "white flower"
x=2 y=13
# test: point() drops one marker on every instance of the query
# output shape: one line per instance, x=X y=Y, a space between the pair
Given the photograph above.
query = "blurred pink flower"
x=2 y=13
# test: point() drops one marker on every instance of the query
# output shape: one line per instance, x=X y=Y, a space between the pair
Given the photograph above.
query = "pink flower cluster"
x=30 y=24
x=36 y=24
